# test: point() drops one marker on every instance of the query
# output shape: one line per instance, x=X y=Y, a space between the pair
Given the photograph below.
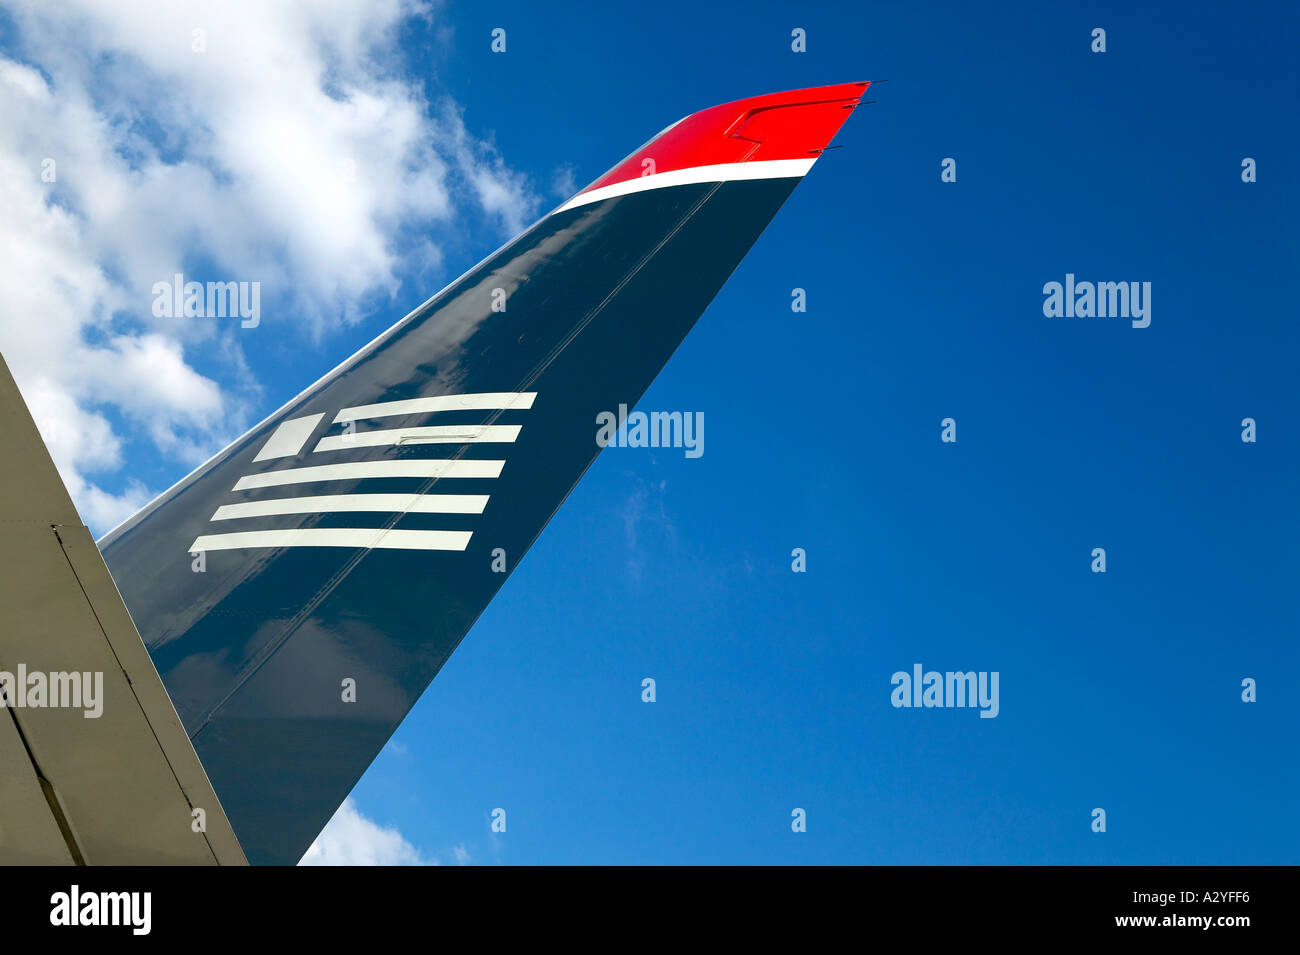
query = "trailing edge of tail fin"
x=351 y=535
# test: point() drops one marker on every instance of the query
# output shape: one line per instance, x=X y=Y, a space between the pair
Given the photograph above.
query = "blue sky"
x=1119 y=690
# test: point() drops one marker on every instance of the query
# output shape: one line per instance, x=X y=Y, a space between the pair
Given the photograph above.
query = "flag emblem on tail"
x=302 y=481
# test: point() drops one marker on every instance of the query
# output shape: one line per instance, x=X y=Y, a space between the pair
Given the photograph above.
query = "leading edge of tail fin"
x=300 y=590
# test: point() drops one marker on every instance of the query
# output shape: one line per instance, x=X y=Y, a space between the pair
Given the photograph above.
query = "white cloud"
x=291 y=152
x=352 y=839
x=641 y=501
x=563 y=185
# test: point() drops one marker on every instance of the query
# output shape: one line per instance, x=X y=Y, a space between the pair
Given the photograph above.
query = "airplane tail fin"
x=299 y=591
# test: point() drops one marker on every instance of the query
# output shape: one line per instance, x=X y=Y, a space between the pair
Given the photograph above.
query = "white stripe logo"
x=290 y=440
x=719 y=172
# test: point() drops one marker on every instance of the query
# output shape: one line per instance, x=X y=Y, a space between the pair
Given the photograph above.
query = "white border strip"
x=719 y=172
x=432 y=468
x=434 y=434
x=367 y=537
x=500 y=400
x=337 y=503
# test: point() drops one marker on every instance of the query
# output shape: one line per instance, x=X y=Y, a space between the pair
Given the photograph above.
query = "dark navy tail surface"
x=352 y=536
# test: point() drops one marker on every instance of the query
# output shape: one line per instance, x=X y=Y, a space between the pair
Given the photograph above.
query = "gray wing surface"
x=117 y=789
